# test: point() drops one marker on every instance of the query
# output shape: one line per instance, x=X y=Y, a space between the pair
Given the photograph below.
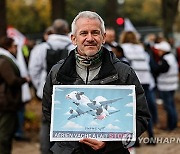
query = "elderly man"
x=90 y=63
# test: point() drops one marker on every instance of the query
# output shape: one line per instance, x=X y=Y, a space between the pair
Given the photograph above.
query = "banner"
x=102 y=112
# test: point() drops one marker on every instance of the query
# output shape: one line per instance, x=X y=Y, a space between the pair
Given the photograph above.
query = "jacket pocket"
x=62 y=148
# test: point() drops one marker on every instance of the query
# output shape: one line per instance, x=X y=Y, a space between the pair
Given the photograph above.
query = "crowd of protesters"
x=154 y=61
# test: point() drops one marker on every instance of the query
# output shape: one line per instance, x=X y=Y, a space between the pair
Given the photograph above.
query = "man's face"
x=88 y=36
x=110 y=36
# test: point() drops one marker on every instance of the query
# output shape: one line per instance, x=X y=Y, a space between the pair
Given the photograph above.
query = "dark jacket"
x=10 y=85
x=162 y=65
x=112 y=72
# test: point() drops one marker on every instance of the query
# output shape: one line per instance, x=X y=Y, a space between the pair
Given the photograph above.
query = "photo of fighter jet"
x=99 y=107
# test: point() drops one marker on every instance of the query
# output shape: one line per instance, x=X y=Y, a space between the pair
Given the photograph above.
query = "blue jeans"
x=20 y=127
x=150 y=97
x=169 y=105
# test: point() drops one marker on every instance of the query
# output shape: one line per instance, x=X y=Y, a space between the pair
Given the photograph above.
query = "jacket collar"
x=8 y=54
x=67 y=72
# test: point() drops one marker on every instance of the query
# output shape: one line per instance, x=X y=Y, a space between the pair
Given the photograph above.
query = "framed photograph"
x=102 y=112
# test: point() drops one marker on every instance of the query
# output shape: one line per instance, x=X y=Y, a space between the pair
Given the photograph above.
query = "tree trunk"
x=169 y=12
x=3 y=24
x=58 y=9
x=111 y=12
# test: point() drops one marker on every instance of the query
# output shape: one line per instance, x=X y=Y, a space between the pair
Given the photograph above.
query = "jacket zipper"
x=87 y=75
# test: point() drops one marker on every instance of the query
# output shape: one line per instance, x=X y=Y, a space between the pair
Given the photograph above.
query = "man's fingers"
x=90 y=140
x=95 y=144
x=89 y=143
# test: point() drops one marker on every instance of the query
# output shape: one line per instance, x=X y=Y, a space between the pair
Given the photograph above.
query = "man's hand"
x=95 y=144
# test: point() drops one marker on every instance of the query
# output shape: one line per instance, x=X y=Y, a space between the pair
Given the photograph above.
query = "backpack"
x=53 y=56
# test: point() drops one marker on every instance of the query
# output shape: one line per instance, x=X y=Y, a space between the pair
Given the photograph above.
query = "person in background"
x=139 y=60
x=20 y=133
x=26 y=49
x=37 y=71
x=149 y=48
x=92 y=64
x=110 y=38
x=113 y=46
x=10 y=93
x=47 y=32
x=167 y=81
x=57 y=37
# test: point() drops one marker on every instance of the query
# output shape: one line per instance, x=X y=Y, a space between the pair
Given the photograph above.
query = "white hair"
x=89 y=15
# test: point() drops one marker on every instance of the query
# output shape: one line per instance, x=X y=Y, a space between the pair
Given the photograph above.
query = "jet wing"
x=80 y=112
x=104 y=103
x=114 y=112
x=73 y=116
x=92 y=106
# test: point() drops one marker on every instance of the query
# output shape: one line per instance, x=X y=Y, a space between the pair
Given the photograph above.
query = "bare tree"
x=169 y=12
x=58 y=9
x=3 y=24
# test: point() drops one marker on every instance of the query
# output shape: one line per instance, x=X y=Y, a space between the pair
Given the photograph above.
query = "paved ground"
x=168 y=142
x=26 y=148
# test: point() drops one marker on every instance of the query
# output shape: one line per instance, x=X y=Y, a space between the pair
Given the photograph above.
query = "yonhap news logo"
x=127 y=143
x=159 y=140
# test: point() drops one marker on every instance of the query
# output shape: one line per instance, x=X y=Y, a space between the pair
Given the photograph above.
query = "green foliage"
x=75 y=6
x=28 y=17
x=33 y=16
x=142 y=12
